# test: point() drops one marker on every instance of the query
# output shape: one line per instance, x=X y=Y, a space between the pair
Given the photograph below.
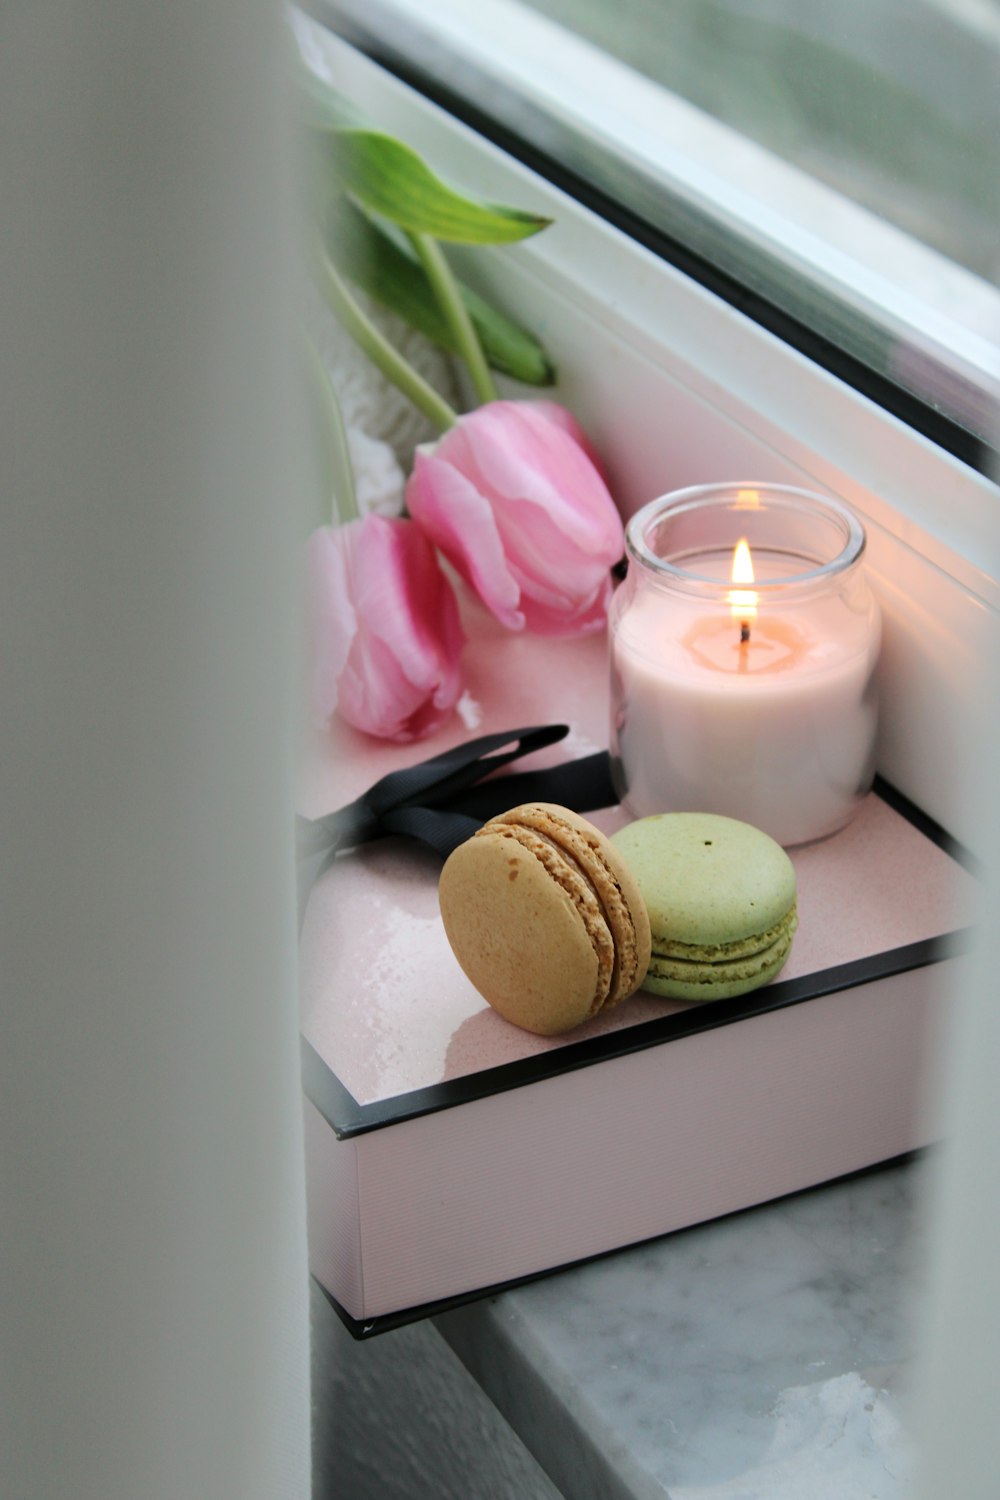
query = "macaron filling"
x=574 y=881
x=715 y=953
x=723 y=977
x=544 y=918
x=588 y=858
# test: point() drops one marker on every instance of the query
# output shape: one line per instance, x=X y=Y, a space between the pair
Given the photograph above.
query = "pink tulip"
x=384 y=626
x=565 y=419
x=515 y=503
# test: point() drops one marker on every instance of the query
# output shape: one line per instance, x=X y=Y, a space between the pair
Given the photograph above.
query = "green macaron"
x=721 y=899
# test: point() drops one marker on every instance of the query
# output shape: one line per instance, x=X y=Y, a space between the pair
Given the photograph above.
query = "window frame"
x=552 y=96
x=677 y=387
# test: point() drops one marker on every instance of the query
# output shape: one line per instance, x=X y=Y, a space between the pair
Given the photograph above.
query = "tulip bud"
x=385 y=634
x=519 y=509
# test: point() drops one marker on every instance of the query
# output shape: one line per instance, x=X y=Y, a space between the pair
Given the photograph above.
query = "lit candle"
x=757 y=702
x=743 y=602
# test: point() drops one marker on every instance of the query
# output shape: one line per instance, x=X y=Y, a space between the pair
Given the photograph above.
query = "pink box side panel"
x=335 y=1254
x=668 y=1137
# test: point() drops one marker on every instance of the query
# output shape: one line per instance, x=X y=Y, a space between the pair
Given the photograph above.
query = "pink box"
x=450 y=1153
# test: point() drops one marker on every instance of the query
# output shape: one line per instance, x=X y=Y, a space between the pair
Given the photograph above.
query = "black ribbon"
x=442 y=801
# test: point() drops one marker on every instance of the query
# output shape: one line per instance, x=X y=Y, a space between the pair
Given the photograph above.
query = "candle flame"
x=742 y=601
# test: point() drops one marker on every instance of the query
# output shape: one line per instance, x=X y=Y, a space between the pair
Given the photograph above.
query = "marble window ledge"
x=766 y=1356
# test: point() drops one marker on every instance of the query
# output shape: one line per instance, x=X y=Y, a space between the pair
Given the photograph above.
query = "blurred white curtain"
x=959 y=1418
x=153 y=1284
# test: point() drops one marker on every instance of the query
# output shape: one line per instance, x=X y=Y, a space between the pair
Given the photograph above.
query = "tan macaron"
x=545 y=918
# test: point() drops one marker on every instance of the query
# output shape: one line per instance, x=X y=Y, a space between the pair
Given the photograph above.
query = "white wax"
x=778 y=731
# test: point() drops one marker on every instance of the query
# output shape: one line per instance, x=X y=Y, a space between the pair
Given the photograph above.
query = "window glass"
x=895 y=103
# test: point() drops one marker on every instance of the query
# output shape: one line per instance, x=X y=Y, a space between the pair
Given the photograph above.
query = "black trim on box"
x=347 y=1117
x=927 y=826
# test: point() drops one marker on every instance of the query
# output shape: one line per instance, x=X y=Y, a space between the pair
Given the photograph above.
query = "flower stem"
x=336 y=452
x=449 y=299
x=392 y=364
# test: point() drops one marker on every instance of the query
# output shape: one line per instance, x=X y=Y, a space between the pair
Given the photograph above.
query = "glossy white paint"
x=679 y=388
x=626 y=126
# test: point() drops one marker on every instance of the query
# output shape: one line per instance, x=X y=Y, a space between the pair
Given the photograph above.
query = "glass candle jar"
x=744 y=644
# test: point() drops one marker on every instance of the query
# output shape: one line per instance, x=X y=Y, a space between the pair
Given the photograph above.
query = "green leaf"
x=389 y=178
x=377 y=263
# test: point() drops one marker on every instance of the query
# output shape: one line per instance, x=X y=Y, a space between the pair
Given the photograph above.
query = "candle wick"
x=744 y=633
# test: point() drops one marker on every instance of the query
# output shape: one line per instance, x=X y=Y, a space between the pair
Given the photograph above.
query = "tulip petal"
x=511 y=497
x=588 y=615
x=386 y=631
x=431 y=638
x=384 y=597
x=562 y=417
x=459 y=520
x=515 y=453
x=542 y=556
x=375 y=695
x=412 y=633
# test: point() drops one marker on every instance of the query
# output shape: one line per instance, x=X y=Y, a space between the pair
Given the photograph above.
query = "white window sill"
x=764 y=216
x=677 y=388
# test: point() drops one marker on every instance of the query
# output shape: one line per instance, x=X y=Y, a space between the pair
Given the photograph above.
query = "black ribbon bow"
x=442 y=801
